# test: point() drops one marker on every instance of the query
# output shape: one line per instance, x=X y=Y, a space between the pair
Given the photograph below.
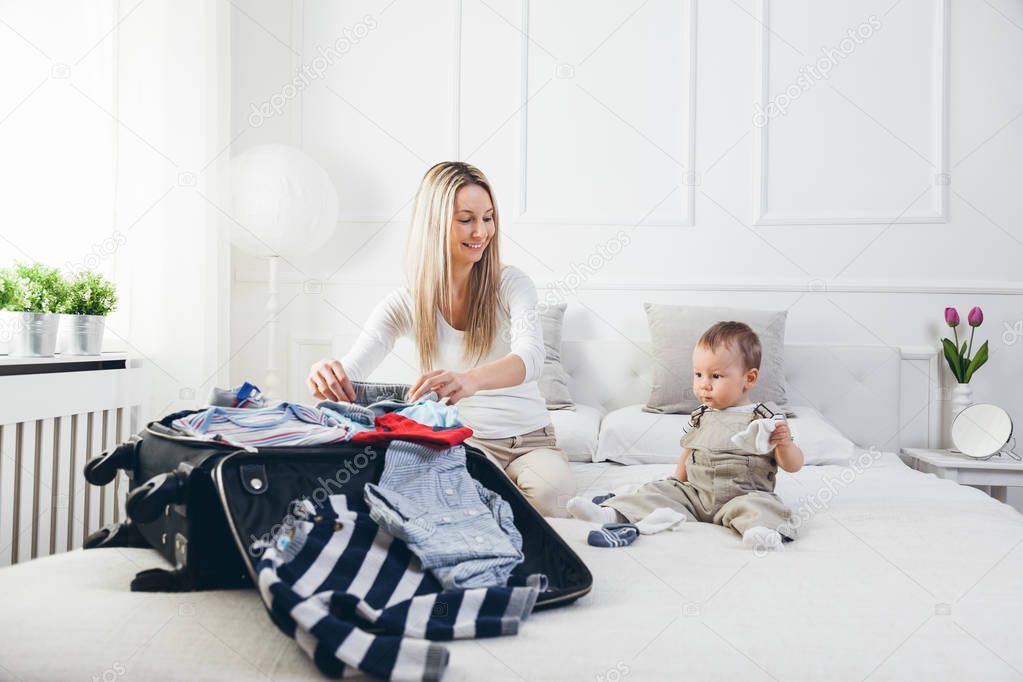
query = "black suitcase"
x=203 y=504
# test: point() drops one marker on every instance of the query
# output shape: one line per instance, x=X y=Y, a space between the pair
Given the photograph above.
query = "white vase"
x=962 y=397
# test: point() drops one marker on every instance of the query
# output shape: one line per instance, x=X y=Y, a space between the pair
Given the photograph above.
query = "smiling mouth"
x=475 y=246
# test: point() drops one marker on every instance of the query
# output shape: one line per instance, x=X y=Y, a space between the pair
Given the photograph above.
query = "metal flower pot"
x=32 y=335
x=81 y=334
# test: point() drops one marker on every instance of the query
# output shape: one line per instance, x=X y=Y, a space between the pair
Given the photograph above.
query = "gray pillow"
x=674 y=331
x=554 y=379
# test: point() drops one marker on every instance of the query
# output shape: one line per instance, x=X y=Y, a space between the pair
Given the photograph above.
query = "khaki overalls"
x=726 y=485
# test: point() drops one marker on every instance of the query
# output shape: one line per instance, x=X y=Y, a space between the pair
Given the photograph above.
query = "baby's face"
x=720 y=378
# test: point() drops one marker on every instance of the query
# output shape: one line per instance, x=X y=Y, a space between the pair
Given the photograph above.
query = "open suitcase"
x=203 y=504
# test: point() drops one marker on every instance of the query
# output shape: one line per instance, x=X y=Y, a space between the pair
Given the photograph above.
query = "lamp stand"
x=270 y=387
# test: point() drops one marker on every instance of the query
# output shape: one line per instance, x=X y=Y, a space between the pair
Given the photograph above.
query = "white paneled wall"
x=855 y=163
x=884 y=77
x=612 y=91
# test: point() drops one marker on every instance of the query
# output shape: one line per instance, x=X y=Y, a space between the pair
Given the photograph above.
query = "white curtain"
x=171 y=198
x=57 y=137
x=113 y=130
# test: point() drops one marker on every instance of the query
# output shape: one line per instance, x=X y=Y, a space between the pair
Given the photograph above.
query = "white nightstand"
x=994 y=474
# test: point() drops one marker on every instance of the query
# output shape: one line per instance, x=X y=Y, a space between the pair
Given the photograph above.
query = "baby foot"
x=761 y=539
x=584 y=509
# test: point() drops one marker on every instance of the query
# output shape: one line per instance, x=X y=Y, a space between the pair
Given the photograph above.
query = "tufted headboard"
x=875 y=395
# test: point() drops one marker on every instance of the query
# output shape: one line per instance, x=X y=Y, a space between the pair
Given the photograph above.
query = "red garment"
x=393 y=426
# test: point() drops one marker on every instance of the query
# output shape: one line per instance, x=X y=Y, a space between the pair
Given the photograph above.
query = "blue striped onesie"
x=330 y=577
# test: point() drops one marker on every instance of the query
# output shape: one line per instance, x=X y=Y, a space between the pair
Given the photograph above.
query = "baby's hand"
x=781 y=434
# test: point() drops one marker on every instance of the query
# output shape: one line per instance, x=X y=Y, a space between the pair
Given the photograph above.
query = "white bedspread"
x=898 y=575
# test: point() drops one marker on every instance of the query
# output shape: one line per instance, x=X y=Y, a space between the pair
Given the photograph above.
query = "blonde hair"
x=428 y=266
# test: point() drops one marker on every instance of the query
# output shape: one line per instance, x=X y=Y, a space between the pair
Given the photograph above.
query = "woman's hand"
x=328 y=381
x=453 y=385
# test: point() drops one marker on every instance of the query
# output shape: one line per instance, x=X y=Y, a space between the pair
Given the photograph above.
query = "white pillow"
x=576 y=431
x=819 y=440
x=631 y=436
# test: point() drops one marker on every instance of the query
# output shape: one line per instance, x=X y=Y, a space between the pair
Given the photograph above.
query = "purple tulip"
x=976 y=317
x=952 y=317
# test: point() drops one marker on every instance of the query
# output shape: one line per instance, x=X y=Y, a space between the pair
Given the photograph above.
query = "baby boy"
x=717 y=480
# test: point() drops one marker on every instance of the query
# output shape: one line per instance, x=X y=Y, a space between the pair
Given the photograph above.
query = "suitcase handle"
x=102 y=469
x=146 y=502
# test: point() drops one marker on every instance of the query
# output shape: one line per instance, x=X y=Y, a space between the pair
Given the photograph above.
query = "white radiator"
x=55 y=415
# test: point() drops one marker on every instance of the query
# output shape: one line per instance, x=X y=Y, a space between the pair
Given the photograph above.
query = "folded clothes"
x=426 y=411
x=388 y=405
x=355 y=417
x=432 y=413
x=241 y=416
x=368 y=392
x=328 y=577
x=281 y=424
x=461 y=531
x=394 y=426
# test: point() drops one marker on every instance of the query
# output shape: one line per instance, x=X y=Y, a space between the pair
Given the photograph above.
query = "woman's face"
x=472 y=225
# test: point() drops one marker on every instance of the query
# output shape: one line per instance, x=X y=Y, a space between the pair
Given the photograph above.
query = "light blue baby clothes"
x=461 y=531
x=432 y=413
x=426 y=411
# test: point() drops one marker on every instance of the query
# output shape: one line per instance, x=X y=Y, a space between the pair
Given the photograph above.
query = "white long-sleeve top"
x=493 y=413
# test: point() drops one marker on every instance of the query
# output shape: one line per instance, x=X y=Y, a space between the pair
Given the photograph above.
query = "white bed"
x=897 y=574
x=900 y=575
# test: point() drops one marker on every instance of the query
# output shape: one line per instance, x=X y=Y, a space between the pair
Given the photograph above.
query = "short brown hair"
x=737 y=336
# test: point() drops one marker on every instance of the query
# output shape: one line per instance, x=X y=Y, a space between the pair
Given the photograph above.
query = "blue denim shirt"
x=461 y=531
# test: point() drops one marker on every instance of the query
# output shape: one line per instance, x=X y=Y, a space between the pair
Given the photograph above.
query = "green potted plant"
x=34 y=295
x=88 y=300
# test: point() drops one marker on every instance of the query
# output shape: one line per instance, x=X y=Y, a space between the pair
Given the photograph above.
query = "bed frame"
x=879 y=396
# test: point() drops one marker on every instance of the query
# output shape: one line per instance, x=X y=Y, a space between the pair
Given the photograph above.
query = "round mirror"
x=981 y=430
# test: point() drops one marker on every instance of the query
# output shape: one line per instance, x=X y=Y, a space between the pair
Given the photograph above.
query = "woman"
x=477 y=331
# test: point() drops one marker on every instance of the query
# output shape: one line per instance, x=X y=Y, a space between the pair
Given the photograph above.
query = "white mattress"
x=902 y=576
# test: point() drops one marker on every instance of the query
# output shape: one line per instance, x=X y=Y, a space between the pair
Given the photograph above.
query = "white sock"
x=584 y=509
x=660 y=519
x=756 y=436
x=761 y=538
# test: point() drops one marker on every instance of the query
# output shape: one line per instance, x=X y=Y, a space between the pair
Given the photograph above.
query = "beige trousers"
x=535 y=465
x=726 y=486
x=741 y=511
